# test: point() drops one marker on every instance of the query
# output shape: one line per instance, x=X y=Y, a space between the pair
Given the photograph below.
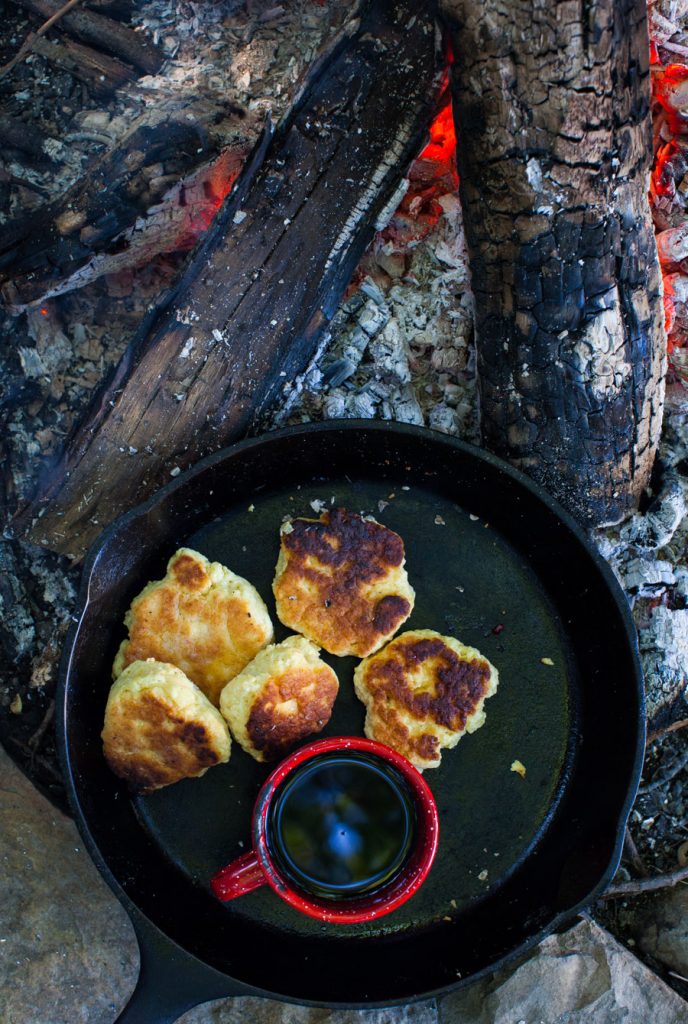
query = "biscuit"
x=202 y=618
x=422 y=692
x=160 y=728
x=285 y=694
x=340 y=581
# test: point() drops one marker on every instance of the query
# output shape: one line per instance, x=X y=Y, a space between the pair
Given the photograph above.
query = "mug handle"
x=236 y=879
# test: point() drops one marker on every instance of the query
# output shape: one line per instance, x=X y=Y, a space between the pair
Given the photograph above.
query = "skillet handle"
x=170 y=981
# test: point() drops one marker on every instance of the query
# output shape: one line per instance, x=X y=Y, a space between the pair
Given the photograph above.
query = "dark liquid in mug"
x=342 y=825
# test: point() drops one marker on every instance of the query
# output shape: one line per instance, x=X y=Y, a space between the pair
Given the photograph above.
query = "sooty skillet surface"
x=469 y=581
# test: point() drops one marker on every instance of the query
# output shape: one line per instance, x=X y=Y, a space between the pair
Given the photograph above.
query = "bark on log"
x=255 y=299
x=40 y=251
x=101 y=32
x=102 y=74
x=552 y=107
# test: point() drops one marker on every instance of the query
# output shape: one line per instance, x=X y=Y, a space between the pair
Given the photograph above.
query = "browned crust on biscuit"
x=149 y=745
x=162 y=627
x=339 y=556
x=314 y=691
x=459 y=687
x=189 y=573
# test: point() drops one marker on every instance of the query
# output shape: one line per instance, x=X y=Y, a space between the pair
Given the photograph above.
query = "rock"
x=662 y=929
x=266 y=1011
x=583 y=976
x=68 y=950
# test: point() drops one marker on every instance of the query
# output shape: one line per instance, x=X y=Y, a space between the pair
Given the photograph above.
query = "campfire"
x=224 y=217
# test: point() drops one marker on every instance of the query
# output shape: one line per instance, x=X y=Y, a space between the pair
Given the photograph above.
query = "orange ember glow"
x=670 y=86
x=216 y=187
x=201 y=198
x=667 y=191
x=442 y=145
x=44 y=311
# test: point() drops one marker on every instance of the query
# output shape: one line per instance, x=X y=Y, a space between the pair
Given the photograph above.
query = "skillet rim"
x=139 y=919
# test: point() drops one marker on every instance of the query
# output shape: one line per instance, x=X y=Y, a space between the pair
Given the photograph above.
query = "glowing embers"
x=442 y=145
x=669 y=200
x=202 y=196
x=670 y=88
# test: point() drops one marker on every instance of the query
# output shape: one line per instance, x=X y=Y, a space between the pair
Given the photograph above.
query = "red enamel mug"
x=344 y=829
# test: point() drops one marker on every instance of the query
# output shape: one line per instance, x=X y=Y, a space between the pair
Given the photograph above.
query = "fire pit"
x=217 y=142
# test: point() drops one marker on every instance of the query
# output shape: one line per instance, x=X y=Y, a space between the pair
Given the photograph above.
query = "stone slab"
x=582 y=976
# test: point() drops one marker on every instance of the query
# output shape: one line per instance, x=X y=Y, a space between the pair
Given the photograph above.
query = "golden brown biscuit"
x=340 y=580
x=202 y=618
x=285 y=694
x=422 y=692
x=160 y=728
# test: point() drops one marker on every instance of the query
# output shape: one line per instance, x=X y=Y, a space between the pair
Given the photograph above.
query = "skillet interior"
x=501 y=556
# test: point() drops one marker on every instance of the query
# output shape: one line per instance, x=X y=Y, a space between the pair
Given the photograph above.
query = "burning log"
x=552 y=107
x=260 y=290
x=172 y=225
x=101 y=32
x=42 y=253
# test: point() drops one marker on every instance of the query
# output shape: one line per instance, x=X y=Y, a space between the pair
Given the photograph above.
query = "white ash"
x=647 y=577
x=401 y=348
x=655 y=529
x=18 y=627
x=648 y=555
x=664 y=652
x=220 y=57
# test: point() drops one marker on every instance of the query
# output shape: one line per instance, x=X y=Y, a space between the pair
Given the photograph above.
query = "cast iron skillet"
x=495 y=562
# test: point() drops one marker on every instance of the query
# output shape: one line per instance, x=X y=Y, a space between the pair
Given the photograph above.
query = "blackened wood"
x=101 y=32
x=14 y=134
x=250 y=309
x=120 y=9
x=102 y=74
x=175 y=208
x=552 y=106
x=54 y=241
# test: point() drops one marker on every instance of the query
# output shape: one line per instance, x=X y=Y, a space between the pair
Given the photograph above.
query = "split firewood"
x=554 y=152
x=102 y=74
x=102 y=32
x=258 y=293
x=39 y=252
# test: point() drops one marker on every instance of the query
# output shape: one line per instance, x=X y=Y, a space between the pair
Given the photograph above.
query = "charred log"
x=102 y=74
x=101 y=32
x=49 y=246
x=552 y=105
x=258 y=293
x=120 y=9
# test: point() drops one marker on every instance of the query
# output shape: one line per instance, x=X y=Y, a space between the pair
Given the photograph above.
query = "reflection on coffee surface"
x=342 y=825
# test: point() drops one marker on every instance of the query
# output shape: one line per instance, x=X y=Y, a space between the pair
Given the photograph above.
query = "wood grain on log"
x=552 y=105
x=102 y=32
x=257 y=295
